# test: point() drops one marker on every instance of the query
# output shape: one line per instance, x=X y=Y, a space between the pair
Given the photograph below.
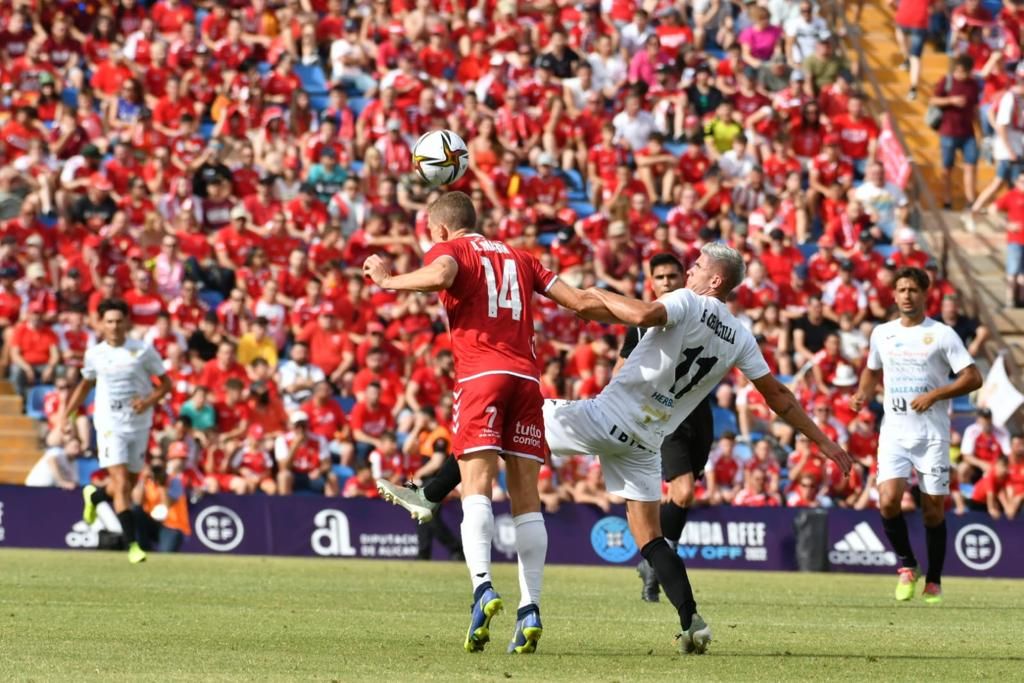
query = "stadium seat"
x=886 y=250
x=312 y=77
x=36 y=396
x=344 y=473
x=263 y=68
x=676 y=148
x=808 y=249
x=212 y=298
x=725 y=421
x=48 y=220
x=346 y=403
x=356 y=166
x=70 y=97
x=742 y=451
x=576 y=180
x=526 y=171
x=661 y=211
x=318 y=102
x=206 y=130
x=357 y=105
x=962 y=404
x=546 y=239
x=582 y=208
x=86 y=466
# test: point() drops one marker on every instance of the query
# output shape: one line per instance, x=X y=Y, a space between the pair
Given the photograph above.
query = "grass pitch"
x=91 y=615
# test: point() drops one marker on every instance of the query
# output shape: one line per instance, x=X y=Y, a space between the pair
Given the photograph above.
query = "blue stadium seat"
x=346 y=403
x=676 y=148
x=661 y=211
x=344 y=473
x=312 y=77
x=86 y=466
x=263 y=68
x=886 y=250
x=742 y=452
x=545 y=239
x=808 y=249
x=357 y=105
x=577 y=195
x=962 y=404
x=206 y=130
x=725 y=421
x=212 y=298
x=583 y=208
x=48 y=220
x=36 y=395
x=318 y=102
x=526 y=171
x=70 y=97
x=575 y=180
x=356 y=166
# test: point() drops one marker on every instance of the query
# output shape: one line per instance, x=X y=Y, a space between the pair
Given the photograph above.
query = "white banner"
x=999 y=395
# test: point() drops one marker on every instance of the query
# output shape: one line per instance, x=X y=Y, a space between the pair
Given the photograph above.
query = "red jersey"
x=1012 y=204
x=492 y=333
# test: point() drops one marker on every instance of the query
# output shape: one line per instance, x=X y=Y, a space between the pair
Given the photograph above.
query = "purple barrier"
x=722 y=538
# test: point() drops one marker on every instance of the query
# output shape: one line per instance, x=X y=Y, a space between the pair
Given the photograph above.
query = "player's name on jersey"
x=488 y=246
x=721 y=330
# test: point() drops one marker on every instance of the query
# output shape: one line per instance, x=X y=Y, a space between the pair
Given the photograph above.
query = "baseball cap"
x=298 y=416
x=134 y=252
x=394 y=124
x=866 y=236
x=395 y=28
x=984 y=412
x=519 y=202
x=797 y=76
x=327 y=308
x=777 y=234
x=178 y=450
x=846 y=264
x=931 y=265
x=545 y=159
x=906 y=236
x=35 y=270
x=8 y=273
x=255 y=432
x=239 y=212
x=91 y=151
x=34 y=240
x=567 y=215
x=497 y=60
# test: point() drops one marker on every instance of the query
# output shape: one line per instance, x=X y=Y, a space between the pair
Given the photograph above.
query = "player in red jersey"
x=485 y=287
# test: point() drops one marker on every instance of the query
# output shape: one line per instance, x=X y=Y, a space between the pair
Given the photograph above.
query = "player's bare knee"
x=680 y=492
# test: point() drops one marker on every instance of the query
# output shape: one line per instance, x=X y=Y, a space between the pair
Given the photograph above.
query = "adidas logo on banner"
x=862 y=547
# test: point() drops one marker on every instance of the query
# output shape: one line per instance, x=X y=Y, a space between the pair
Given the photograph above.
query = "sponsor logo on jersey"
x=612 y=541
x=724 y=541
x=219 y=528
x=928 y=339
x=978 y=547
x=861 y=547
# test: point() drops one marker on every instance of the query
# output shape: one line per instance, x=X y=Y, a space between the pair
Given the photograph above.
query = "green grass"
x=85 y=615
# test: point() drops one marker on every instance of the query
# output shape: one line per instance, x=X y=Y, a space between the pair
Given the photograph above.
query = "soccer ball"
x=440 y=157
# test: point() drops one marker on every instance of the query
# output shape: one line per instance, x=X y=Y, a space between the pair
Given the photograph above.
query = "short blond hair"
x=455 y=211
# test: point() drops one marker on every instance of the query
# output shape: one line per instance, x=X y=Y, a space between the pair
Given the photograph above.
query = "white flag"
x=999 y=395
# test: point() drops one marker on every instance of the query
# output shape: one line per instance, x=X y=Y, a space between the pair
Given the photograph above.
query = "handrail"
x=925 y=196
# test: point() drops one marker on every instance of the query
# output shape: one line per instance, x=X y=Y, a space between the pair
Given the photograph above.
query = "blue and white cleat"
x=528 y=631
x=694 y=640
x=484 y=609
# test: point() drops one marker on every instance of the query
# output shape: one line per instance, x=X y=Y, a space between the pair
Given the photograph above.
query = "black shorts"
x=686 y=450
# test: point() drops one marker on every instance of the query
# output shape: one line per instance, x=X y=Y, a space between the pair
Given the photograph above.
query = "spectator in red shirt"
x=1012 y=204
x=329 y=345
x=223 y=367
x=723 y=472
x=958 y=97
x=755 y=492
x=303 y=461
x=143 y=300
x=327 y=419
x=908 y=253
x=35 y=351
x=369 y=420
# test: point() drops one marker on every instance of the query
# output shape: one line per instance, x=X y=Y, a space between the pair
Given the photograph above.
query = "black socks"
x=899 y=539
x=935 y=537
x=671 y=573
x=127 y=519
x=673 y=519
x=444 y=482
x=99 y=495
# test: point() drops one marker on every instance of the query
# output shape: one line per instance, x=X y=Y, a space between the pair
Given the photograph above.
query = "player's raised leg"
x=890 y=504
x=479 y=470
x=531 y=547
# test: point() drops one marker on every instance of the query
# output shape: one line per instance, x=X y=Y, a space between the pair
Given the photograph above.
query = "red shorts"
x=499 y=412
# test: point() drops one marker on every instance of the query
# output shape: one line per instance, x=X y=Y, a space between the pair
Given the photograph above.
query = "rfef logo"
x=333 y=535
x=862 y=547
x=978 y=547
x=219 y=528
x=612 y=540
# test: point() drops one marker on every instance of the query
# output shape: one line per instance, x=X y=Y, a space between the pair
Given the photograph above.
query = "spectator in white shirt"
x=633 y=126
x=879 y=198
x=57 y=466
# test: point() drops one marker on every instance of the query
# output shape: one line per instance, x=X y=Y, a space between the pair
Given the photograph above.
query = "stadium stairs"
x=19 y=438
x=974 y=261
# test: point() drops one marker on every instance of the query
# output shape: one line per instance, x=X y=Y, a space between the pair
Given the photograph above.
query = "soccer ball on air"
x=440 y=157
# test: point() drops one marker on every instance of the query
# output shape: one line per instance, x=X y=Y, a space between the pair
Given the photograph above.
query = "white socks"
x=477 y=532
x=532 y=548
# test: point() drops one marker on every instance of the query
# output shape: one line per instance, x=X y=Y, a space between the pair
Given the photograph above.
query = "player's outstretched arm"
x=430 y=278
x=967 y=381
x=781 y=400
x=583 y=302
x=631 y=311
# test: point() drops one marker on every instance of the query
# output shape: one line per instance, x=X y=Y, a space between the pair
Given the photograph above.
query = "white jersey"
x=915 y=360
x=122 y=374
x=674 y=367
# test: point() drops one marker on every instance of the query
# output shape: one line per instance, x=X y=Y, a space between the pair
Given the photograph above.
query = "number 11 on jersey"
x=508 y=296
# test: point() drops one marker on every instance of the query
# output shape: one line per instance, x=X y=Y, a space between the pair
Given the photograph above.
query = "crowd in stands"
x=983 y=91
x=225 y=167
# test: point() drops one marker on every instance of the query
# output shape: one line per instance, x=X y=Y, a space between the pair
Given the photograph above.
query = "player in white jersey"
x=693 y=344
x=916 y=355
x=121 y=370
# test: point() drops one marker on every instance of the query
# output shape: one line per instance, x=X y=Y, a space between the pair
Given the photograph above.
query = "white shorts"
x=929 y=458
x=123 y=449
x=631 y=469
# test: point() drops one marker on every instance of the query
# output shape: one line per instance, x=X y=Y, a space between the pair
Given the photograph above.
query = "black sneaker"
x=651 y=591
